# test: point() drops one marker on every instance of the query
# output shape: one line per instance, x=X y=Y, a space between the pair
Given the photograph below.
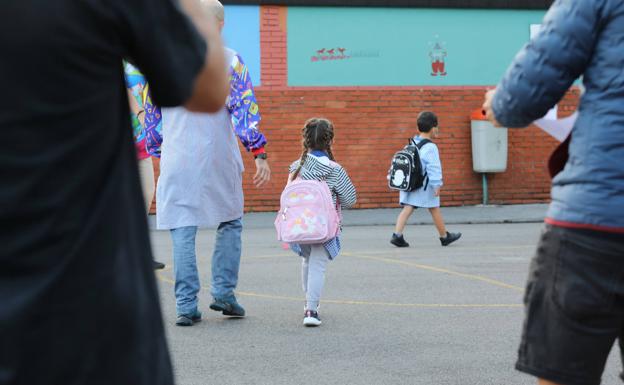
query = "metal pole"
x=485 y=189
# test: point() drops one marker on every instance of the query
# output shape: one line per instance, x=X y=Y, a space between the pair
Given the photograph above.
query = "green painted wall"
x=392 y=47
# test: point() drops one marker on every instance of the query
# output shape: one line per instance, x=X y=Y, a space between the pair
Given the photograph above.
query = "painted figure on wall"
x=330 y=54
x=437 y=54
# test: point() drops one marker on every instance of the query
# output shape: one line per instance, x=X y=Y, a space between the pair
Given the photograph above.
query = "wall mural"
x=437 y=54
x=403 y=47
x=330 y=54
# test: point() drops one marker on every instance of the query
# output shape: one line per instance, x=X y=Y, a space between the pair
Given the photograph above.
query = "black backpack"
x=406 y=172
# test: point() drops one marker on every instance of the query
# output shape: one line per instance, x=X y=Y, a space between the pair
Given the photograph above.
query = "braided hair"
x=318 y=134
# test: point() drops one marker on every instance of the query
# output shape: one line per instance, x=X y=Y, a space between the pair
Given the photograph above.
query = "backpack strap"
x=420 y=145
x=335 y=165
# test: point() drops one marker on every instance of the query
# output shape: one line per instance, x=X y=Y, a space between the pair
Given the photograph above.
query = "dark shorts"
x=574 y=305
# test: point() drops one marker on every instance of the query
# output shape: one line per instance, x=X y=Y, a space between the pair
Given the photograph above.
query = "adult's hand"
x=263 y=172
x=487 y=107
x=436 y=192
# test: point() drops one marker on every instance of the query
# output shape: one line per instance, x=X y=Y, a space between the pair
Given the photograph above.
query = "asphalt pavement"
x=426 y=314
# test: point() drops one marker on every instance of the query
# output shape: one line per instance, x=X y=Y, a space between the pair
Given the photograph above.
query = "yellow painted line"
x=163 y=278
x=392 y=304
x=438 y=270
x=282 y=255
x=463 y=248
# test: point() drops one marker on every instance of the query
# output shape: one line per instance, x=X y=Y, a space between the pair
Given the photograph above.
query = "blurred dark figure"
x=78 y=300
x=575 y=292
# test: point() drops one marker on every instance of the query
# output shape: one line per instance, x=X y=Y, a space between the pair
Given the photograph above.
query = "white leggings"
x=315 y=259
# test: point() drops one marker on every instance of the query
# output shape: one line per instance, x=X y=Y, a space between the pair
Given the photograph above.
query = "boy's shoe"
x=228 y=306
x=450 y=238
x=188 y=319
x=398 y=241
x=311 y=318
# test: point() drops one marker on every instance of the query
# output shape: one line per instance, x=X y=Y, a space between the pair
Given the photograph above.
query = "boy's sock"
x=398 y=234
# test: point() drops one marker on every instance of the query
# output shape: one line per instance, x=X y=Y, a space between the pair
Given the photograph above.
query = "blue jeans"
x=225 y=264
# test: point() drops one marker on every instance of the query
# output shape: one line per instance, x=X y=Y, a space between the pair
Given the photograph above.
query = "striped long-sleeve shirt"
x=317 y=166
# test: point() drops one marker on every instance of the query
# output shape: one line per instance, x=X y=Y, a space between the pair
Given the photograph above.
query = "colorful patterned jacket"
x=241 y=104
x=147 y=137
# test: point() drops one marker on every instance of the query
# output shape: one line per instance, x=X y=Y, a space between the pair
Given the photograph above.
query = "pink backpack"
x=307 y=213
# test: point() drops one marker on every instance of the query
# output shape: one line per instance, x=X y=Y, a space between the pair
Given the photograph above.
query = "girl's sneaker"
x=311 y=318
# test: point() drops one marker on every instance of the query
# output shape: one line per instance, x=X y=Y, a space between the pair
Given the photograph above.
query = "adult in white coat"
x=200 y=185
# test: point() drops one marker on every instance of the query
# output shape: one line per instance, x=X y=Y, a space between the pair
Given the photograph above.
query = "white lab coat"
x=201 y=169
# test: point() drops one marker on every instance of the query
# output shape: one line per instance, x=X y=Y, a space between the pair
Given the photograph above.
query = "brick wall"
x=372 y=123
x=273 y=53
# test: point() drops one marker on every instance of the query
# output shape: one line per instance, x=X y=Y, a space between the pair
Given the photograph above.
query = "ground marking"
x=438 y=270
x=163 y=278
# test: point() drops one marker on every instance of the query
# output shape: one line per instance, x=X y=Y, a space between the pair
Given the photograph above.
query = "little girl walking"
x=318 y=136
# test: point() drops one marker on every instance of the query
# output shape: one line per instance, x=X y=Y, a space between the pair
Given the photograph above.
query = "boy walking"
x=429 y=194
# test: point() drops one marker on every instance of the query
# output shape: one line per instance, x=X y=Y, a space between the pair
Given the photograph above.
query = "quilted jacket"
x=578 y=37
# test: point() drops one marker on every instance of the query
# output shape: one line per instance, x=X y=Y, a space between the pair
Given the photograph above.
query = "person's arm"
x=243 y=108
x=153 y=124
x=433 y=167
x=135 y=109
x=547 y=66
x=345 y=190
x=134 y=86
x=210 y=88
